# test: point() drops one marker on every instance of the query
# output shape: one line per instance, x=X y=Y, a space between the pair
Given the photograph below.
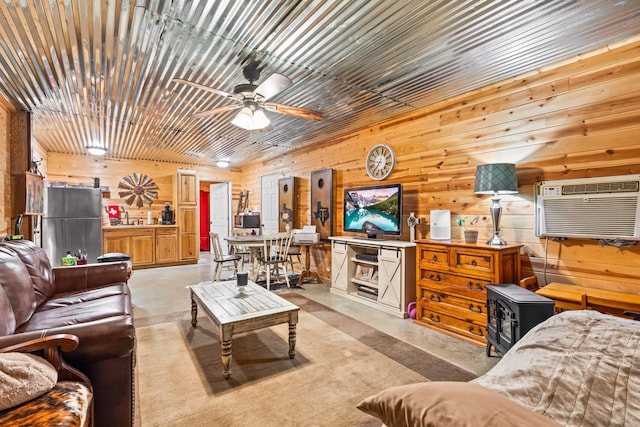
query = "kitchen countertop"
x=124 y=227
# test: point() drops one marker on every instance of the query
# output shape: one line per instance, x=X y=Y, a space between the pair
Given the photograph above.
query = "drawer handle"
x=435 y=277
x=477 y=331
x=435 y=258
x=475 y=308
x=473 y=262
x=434 y=317
x=479 y=287
x=470 y=284
x=434 y=297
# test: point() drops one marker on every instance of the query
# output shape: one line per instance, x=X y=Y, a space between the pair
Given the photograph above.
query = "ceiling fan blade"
x=273 y=85
x=203 y=87
x=293 y=111
x=207 y=113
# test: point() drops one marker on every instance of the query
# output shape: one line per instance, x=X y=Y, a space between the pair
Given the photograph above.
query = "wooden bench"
x=574 y=297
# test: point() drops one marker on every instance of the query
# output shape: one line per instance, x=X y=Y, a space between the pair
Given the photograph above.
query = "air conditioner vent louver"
x=600 y=208
x=598 y=188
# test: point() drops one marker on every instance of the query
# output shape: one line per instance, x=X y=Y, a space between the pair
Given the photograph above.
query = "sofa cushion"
x=37 y=263
x=70 y=298
x=446 y=403
x=75 y=314
x=16 y=282
x=104 y=327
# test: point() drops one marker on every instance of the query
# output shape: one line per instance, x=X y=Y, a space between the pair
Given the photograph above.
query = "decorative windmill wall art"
x=138 y=188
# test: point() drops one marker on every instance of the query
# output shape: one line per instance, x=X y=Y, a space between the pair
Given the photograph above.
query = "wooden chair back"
x=276 y=247
x=216 y=246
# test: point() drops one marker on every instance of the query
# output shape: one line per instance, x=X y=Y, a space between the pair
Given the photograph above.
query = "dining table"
x=255 y=242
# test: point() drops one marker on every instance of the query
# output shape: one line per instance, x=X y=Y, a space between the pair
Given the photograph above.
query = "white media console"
x=378 y=273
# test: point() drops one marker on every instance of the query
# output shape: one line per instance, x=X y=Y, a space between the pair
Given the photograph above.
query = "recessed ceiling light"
x=95 y=150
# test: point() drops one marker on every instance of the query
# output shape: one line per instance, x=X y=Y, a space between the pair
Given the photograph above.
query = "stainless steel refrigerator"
x=72 y=221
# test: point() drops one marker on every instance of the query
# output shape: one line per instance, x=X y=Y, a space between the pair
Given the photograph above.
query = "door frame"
x=229 y=210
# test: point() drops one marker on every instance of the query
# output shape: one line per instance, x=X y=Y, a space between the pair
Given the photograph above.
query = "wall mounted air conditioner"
x=594 y=208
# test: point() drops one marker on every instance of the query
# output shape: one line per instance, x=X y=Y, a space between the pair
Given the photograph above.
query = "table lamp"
x=496 y=179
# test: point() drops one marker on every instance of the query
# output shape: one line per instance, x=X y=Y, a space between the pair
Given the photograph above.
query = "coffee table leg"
x=225 y=343
x=194 y=311
x=293 y=321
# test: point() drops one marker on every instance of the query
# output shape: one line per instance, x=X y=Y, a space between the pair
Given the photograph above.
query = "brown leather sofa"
x=90 y=301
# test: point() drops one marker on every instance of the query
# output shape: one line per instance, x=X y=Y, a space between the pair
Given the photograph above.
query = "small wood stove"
x=511 y=312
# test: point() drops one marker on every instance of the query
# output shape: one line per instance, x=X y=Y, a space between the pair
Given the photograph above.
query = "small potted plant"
x=470 y=234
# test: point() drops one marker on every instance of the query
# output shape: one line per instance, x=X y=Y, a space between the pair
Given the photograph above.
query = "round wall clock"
x=380 y=162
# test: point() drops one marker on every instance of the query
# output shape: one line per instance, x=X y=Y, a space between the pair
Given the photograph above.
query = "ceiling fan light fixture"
x=251 y=117
x=96 y=150
x=260 y=119
x=244 y=118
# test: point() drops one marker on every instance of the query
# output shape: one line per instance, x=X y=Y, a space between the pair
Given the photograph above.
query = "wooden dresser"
x=450 y=284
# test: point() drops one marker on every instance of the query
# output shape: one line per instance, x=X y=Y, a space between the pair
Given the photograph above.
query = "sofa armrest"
x=89 y=276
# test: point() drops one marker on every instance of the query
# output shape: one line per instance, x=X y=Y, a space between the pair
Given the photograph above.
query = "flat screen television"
x=374 y=210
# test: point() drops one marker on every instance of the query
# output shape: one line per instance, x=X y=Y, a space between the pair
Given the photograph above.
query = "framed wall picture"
x=322 y=209
x=34 y=196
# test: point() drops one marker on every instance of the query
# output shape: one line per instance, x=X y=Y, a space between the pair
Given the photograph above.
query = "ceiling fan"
x=252 y=99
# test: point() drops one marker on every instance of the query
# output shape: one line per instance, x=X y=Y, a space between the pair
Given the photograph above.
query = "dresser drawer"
x=469 y=287
x=435 y=296
x=443 y=321
x=430 y=256
x=473 y=262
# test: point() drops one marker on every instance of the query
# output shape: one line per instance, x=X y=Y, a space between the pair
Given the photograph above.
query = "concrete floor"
x=162 y=292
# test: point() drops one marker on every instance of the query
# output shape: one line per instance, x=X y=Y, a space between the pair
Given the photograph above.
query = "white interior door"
x=269 y=203
x=220 y=211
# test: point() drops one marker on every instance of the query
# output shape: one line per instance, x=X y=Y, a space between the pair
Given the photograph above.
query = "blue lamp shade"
x=496 y=178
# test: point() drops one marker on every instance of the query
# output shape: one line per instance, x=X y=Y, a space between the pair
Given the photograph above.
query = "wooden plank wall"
x=5 y=175
x=581 y=119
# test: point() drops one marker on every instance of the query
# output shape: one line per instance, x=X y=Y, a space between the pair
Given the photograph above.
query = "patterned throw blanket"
x=580 y=368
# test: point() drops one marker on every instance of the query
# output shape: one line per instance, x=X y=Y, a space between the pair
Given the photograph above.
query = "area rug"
x=339 y=361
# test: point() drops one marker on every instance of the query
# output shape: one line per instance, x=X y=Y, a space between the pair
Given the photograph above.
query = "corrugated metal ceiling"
x=101 y=72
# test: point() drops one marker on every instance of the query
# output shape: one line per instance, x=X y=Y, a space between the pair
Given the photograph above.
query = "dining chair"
x=295 y=251
x=274 y=255
x=241 y=250
x=222 y=261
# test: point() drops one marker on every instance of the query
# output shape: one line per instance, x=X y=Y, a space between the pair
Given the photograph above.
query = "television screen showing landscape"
x=373 y=209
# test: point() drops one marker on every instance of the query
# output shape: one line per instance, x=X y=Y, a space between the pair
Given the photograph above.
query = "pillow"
x=24 y=377
x=447 y=403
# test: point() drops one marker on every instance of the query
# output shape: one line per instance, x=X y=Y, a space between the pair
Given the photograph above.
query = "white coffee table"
x=233 y=309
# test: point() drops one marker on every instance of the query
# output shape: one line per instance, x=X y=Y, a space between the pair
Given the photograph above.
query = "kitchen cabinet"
x=187 y=216
x=148 y=245
x=166 y=245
